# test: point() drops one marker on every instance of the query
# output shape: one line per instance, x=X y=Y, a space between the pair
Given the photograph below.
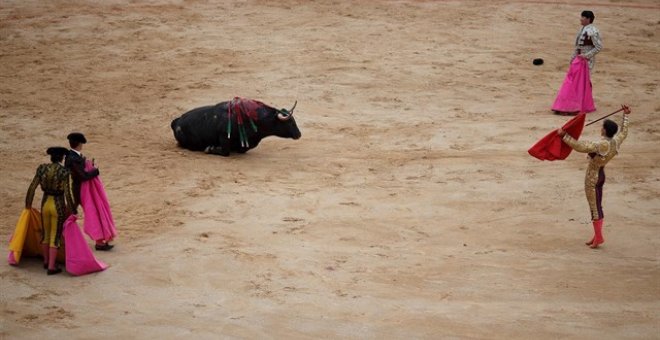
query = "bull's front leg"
x=222 y=147
x=217 y=150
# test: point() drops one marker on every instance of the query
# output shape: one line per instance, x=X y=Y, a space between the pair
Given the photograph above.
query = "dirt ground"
x=408 y=209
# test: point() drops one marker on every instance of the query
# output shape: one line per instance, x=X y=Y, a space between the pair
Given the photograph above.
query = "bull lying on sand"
x=237 y=125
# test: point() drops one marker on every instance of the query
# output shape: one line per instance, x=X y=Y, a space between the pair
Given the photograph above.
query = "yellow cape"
x=26 y=239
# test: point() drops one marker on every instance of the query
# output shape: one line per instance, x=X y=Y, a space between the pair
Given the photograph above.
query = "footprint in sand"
x=296 y=230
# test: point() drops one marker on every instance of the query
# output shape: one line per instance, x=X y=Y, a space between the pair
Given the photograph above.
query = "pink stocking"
x=598 y=230
x=52 y=256
x=44 y=253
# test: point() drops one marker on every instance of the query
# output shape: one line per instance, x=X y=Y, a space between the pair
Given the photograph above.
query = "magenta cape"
x=98 y=222
x=551 y=147
x=575 y=93
x=79 y=257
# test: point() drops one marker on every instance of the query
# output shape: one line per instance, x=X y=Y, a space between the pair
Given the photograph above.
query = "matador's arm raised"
x=621 y=135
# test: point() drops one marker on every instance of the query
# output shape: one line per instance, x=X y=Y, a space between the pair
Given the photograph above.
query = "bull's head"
x=289 y=127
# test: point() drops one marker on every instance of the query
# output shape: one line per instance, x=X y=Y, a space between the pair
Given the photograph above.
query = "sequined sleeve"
x=599 y=147
x=33 y=187
x=68 y=191
x=619 y=137
x=594 y=34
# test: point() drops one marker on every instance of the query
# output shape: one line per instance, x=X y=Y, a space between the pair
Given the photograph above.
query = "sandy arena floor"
x=409 y=208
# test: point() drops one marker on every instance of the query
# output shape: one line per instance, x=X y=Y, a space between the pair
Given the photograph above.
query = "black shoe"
x=565 y=113
x=104 y=247
x=54 y=271
x=45 y=265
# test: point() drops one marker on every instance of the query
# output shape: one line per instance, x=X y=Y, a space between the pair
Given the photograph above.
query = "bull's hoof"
x=216 y=150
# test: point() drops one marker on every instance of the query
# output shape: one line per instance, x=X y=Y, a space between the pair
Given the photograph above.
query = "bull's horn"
x=283 y=115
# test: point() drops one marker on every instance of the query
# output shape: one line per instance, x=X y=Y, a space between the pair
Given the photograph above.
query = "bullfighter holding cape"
x=55 y=225
x=98 y=223
x=89 y=192
x=575 y=94
x=558 y=144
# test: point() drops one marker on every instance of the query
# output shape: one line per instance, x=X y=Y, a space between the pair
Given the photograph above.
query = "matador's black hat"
x=57 y=151
x=77 y=137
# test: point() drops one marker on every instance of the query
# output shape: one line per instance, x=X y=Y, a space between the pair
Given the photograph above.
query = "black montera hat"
x=589 y=15
x=77 y=137
x=57 y=151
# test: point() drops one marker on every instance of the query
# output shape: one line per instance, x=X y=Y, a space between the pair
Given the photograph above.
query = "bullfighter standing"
x=56 y=205
x=600 y=153
x=588 y=41
x=75 y=162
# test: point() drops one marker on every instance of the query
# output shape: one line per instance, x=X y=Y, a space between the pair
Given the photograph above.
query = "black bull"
x=206 y=128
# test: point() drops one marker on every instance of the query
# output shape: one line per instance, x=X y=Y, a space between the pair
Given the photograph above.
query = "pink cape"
x=551 y=147
x=79 y=257
x=575 y=93
x=98 y=222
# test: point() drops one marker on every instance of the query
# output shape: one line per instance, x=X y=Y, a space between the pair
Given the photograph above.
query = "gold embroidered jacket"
x=601 y=151
x=55 y=180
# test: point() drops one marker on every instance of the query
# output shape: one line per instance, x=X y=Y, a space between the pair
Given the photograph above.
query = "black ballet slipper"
x=104 y=247
x=54 y=271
